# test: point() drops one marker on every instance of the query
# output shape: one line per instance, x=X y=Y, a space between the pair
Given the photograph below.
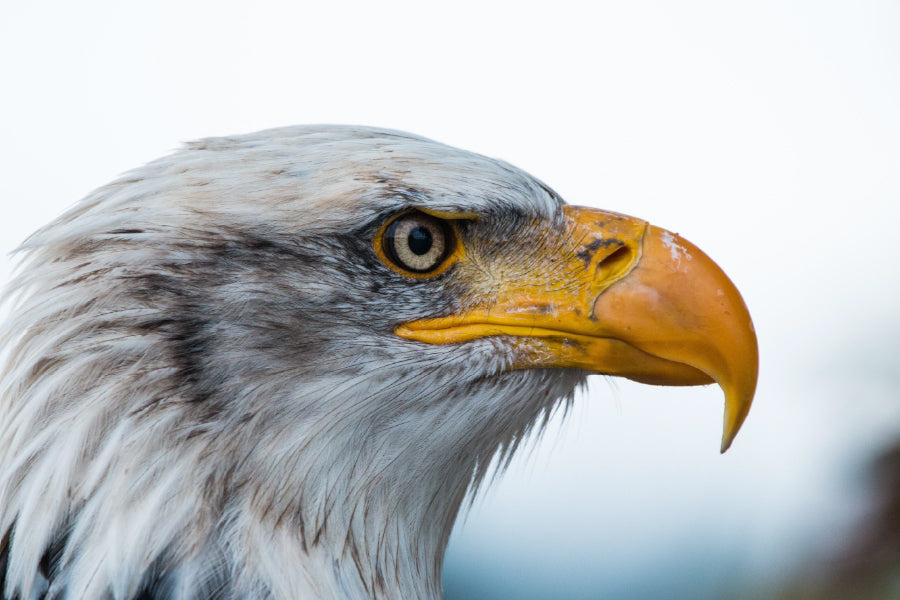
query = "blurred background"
x=768 y=133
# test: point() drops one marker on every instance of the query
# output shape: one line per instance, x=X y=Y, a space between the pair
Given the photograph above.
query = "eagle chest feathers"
x=274 y=365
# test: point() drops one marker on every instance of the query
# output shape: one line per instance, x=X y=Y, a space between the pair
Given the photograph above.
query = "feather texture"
x=202 y=396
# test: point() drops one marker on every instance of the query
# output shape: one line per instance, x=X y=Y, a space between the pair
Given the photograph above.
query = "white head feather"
x=202 y=395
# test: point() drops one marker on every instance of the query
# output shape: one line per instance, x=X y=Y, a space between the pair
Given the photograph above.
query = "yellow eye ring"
x=418 y=245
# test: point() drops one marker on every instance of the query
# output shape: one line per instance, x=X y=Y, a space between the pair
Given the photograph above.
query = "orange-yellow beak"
x=628 y=299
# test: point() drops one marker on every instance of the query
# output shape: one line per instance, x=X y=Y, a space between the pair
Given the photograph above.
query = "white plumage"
x=204 y=394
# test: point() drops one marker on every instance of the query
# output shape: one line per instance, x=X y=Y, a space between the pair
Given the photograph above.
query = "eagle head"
x=273 y=365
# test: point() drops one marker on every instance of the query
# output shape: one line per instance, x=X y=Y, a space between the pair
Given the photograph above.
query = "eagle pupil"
x=420 y=240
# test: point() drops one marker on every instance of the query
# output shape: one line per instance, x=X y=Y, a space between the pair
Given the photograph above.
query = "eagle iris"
x=417 y=242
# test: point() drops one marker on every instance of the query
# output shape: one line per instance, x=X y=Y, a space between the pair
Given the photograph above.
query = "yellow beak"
x=628 y=299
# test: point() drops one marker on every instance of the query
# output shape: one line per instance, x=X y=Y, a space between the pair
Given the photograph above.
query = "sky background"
x=767 y=133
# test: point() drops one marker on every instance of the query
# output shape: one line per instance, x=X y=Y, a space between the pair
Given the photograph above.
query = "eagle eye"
x=417 y=243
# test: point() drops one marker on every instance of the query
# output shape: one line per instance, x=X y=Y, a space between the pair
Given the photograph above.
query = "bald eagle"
x=273 y=365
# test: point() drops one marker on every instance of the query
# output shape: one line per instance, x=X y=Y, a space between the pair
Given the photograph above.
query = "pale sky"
x=767 y=133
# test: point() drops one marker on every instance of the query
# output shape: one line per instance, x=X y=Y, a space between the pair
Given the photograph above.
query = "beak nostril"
x=616 y=264
x=622 y=253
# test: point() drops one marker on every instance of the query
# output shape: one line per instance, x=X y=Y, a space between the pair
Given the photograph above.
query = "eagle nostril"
x=615 y=264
